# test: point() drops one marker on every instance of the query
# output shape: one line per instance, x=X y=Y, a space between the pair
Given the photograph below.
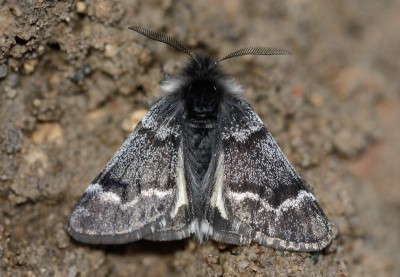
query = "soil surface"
x=74 y=81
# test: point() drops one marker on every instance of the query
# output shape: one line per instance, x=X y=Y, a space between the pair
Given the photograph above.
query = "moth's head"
x=201 y=66
x=201 y=86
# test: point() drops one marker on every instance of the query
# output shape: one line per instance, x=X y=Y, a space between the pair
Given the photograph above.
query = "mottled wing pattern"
x=137 y=194
x=259 y=193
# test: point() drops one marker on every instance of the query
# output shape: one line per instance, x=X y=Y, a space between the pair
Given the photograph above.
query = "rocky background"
x=74 y=81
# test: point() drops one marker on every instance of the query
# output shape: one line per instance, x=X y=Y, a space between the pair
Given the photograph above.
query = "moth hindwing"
x=201 y=163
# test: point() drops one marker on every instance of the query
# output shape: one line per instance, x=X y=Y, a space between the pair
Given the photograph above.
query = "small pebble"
x=81 y=73
x=3 y=70
x=80 y=7
x=37 y=102
x=348 y=144
x=11 y=139
x=15 y=10
x=48 y=133
x=30 y=66
x=243 y=264
x=316 y=100
x=10 y=92
x=2 y=231
x=63 y=239
x=110 y=50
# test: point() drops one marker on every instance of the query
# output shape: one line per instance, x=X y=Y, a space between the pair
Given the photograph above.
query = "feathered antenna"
x=163 y=38
x=255 y=51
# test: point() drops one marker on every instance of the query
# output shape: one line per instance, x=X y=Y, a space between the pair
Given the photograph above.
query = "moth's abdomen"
x=199 y=149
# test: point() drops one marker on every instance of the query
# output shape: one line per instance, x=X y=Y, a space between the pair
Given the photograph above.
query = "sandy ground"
x=74 y=81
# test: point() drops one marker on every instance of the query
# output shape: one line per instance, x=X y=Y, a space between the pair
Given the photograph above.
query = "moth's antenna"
x=255 y=51
x=163 y=38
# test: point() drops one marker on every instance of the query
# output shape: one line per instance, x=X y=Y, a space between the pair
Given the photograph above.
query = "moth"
x=201 y=163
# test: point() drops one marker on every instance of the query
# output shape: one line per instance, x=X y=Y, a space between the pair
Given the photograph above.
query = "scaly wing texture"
x=259 y=193
x=140 y=193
